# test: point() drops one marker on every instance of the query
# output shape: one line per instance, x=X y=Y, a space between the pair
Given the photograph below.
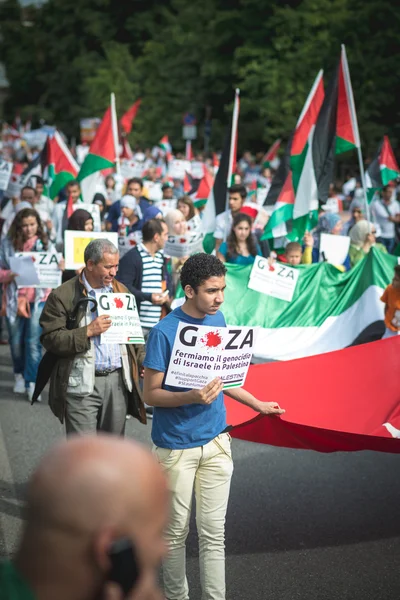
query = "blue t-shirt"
x=238 y=259
x=191 y=425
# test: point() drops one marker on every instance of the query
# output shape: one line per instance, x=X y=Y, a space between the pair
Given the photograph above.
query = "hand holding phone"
x=124 y=568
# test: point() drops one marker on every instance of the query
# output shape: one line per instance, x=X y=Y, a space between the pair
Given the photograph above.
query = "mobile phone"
x=124 y=566
x=165 y=293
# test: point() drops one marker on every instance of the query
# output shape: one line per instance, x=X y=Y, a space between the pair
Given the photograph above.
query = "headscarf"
x=357 y=203
x=151 y=213
x=78 y=219
x=129 y=201
x=326 y=223
x=170 y=217
x=358 y=233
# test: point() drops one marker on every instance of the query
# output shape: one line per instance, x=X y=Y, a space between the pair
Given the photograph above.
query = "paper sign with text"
x=46 y=267
x=183 y=245
x=202 y=353
x=125 y=323
x=177 y=168
x=276 y=280
x=132 y=168
x=6 y=168
x=127 y=242
x=75 y=243
x=166 y=205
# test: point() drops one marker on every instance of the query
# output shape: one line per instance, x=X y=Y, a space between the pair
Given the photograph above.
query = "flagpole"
x=357 y=135
x=114 y=125
x=235 y=119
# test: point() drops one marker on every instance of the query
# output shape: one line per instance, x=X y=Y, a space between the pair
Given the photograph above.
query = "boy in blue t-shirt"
x=188 y=434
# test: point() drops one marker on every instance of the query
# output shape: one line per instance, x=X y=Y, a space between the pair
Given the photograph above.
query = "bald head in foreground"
x=88 y=494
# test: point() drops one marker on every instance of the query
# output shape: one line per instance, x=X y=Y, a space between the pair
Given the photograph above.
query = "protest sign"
x=88 y=129
x=202 y=353
x=75 y=243
x=333 y=248
x=132 y=168
x=27 y=274
x=93 y=209
x=183 y=245
x=276 y=280
x=14 y=186
x=177 y=168
x=197 y=168
x=125 y=323
x=154 y=190
x=126 y=243
x=46 y=267
x=5 y=173
x=166 y=205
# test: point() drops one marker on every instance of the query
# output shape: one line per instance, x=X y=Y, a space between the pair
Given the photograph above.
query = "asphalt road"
x=301 y=525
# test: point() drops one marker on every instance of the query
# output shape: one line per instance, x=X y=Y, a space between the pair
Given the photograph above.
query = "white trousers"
x=208 y=471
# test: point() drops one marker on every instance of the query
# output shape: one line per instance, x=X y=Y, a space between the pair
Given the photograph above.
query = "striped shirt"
x=107 y=356
x=151 y=284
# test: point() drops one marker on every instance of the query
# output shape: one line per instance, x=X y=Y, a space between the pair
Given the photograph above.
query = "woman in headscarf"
x=362 y=238
x=357 y=208
x=328 y=223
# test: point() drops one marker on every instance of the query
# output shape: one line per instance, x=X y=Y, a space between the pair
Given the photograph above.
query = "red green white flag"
x=382 y=170
x=294 y=190
x=130 y=115
x=347 y=135
x=166 y=147
x=61 y=165
x=103 y=153
x=271 y=154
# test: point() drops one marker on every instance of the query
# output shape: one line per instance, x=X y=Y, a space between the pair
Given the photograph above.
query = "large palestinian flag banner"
x=358 y=410
x=329 y=310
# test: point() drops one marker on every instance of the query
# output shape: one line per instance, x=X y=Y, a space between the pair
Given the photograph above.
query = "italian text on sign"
x=202 y=353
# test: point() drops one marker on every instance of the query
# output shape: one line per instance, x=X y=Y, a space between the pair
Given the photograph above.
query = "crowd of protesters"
x=144 y=212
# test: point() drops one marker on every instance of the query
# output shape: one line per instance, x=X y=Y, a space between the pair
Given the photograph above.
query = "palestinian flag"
x=102 y=154
x=281 y=197
x=329 y=311
x=382 y=170
x=294 y=188
x=355 y=412
x=217 y=199
x=203 y=188
x=347 y=135
x=190 y=184
x=61 y=165
x=127 y=119
x=271 y=154
x=166 y=147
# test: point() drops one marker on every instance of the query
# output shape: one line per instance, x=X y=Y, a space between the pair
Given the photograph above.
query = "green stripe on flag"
x=296 y=164
x=60 y=181
x=281 y=215
x=93 y=163
x=388 y=175
x=343 y=146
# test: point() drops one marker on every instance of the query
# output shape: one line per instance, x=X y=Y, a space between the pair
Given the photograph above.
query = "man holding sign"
x=189 y=424
x=95 y=381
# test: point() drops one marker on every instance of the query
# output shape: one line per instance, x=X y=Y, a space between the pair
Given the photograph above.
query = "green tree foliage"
x=183 y=56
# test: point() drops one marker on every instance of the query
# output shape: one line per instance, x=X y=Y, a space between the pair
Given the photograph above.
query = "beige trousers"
x=208 y=471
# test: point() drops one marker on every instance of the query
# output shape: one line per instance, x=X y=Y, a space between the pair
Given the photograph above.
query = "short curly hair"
x=200 y=267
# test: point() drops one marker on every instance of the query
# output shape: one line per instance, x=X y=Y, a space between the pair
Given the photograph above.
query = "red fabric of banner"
x=334 y=401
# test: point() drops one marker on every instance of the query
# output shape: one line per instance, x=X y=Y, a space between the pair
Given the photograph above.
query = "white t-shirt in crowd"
x=381 y=213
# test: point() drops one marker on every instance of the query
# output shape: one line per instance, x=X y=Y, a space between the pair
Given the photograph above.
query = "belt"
x=105 y=372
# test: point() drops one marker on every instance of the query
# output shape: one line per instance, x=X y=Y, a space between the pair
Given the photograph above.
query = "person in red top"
x=391 y=298
x=22 y=307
